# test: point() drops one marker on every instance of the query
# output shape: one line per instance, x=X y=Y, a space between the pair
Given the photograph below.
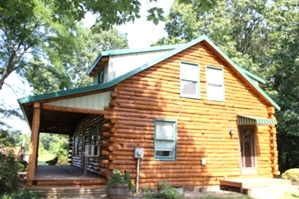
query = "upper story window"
x=189 y=75
x=165 y=139
x=215 y=84
x=101 y=76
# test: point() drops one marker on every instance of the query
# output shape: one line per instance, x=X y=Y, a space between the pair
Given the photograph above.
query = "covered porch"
x=78 y=113
x=65 y=176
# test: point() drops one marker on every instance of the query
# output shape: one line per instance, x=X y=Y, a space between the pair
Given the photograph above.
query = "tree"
x=28 y=27
x=240 y=40
x=283 y=75
x=44 y=77
x=260 y=36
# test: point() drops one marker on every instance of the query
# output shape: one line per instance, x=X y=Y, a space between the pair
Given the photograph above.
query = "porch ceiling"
x=55 y=121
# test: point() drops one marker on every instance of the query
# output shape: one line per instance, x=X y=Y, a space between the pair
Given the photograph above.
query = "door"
x=248 y=151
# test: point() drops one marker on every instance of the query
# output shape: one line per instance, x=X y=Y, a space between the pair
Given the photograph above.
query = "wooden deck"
x=65 y=176
x=244 y=184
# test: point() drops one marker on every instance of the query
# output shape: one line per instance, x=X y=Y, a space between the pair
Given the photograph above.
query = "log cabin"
x=194 y=115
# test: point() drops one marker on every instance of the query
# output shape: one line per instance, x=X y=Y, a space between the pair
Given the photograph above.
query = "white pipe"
x=137 y=176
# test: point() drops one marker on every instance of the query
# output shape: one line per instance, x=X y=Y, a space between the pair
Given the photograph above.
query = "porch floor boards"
x=65 y=176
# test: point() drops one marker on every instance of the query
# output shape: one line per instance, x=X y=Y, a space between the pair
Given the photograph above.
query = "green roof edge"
x=145 y=66
x=63 y=93
x=257 y=78
x=129 y=51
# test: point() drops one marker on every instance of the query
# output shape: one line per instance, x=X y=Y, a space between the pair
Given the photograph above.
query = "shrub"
x=291 y=174
x=21 y=194
x=8 y=173
x=22 y=165
x=119 y=177
x=168 y=192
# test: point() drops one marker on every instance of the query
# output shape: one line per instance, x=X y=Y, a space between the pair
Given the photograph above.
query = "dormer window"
x=101 y=76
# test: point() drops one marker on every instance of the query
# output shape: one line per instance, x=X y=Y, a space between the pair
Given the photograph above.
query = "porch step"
x=260 y=188
x=270 y=192
x=71 y=192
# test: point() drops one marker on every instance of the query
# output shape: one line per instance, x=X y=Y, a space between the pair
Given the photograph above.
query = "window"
x=94 y=134
x=76 y=145
x=165 y=139
x=101 y=76
x=215 y=84
x=189 y=74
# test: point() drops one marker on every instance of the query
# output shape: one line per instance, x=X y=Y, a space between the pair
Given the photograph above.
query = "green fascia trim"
x=94 y=64
x=242 y=73
x=252 y=120
x=130 y=51
x=252 y=75
x=24 y=113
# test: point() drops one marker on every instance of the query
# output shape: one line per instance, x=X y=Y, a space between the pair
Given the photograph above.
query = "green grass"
x=45 y=157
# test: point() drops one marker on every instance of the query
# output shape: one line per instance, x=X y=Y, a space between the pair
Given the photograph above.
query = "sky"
x=140 y=34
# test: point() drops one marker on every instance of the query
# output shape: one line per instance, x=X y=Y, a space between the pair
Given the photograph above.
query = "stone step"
x=270 y=191
x=264 y=182
x=70 y=192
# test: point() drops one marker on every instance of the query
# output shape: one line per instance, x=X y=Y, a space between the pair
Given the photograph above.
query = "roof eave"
x=94 y=64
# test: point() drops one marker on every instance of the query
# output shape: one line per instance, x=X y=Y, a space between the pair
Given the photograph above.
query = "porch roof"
x=253 y=120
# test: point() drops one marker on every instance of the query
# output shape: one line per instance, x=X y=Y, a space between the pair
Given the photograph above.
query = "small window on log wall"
x=94 y=134
x=165 y=139
x=189 y=75
x=215 y=84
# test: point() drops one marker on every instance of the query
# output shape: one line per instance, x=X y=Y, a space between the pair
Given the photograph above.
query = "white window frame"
x=193 y=77
x=215 y=84
x=171 y=141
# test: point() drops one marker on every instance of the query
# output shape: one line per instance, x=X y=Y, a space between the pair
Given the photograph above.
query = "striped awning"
x=252 y=120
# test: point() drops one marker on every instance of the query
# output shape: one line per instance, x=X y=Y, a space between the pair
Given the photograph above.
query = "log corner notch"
x=273 y=144
x=33 y=143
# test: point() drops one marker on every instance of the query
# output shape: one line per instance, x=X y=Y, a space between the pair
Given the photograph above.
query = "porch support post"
x=33 y=146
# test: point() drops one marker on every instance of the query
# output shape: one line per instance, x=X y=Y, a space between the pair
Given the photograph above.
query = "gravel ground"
x=197 y=194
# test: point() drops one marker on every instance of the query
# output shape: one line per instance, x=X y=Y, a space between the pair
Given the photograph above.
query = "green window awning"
x=252 y=120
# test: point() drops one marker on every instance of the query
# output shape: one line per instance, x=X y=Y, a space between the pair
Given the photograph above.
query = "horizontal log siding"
x=96 y=165
x=203 y=126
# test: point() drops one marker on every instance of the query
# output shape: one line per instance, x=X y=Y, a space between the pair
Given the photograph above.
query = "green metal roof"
x=113 y=82
x=252 y=120
x=252 y=75
x=130 y=51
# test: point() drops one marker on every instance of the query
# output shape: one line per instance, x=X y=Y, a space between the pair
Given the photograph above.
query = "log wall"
x=203 y=126
x=96 y=165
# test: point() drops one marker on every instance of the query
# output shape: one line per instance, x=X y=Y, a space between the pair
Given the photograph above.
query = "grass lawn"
x=43 y=158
